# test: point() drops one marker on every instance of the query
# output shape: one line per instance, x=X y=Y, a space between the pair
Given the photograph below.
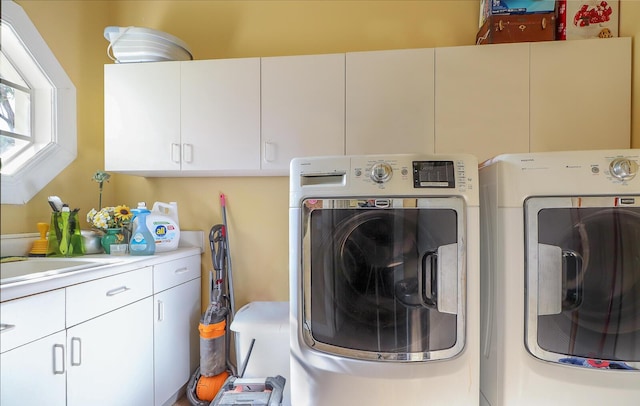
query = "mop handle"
x=232 y=304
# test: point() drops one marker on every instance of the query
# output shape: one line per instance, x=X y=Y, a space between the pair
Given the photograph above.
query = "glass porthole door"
x=383 y=279
x=583 y=280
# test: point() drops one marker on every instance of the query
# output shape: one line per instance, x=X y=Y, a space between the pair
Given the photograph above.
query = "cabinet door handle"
x=160 y=310
x=58 y=348
x=117 y=291
x=270 y=151
x=187 y=153
x=6 y=327
x=175 y=153
x=181 y=270
x=76 y=354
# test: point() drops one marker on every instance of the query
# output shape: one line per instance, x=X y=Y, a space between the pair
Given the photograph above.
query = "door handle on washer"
x=443 y=293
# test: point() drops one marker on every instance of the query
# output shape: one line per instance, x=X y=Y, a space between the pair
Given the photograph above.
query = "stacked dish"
x=137 y=44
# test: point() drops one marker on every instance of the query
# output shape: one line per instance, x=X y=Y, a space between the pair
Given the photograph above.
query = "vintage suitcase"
x=505 y=28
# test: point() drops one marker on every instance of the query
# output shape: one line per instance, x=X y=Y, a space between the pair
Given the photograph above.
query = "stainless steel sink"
x=32 y=268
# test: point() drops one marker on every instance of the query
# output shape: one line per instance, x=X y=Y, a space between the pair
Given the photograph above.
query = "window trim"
x=51 y=158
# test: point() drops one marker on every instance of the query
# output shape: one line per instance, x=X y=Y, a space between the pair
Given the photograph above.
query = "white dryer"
x=384 y=280
x=560 y=279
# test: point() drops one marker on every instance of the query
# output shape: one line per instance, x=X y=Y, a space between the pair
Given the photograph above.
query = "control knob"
x=623 y=168
x=381 y=172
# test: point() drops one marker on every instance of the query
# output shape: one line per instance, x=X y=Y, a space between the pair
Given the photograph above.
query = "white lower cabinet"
x=96 y=343
x=110 y=358
x=110 y=340
x=176 y=343
x=41 y=365
x=32 y=347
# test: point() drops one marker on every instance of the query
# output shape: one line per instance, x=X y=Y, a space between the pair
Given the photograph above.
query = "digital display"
x=433 y=174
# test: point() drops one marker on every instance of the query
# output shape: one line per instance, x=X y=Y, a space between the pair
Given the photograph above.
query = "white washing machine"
x=384 y=280
x=560 y=279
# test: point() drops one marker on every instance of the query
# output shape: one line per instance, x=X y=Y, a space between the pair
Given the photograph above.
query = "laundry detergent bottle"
x=164 y=226
x=142 y=242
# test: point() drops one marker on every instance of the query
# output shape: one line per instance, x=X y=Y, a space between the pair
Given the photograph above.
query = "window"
x=37 y=109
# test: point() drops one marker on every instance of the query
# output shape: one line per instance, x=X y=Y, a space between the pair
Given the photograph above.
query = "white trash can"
x=268 y=324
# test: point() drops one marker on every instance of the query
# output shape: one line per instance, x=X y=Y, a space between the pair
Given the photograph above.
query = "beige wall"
x=257 y=207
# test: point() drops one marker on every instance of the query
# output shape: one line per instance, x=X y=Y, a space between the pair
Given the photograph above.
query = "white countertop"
x=124 y=263
x=191 y=243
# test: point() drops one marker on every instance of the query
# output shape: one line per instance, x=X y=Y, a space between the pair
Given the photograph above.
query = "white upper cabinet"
x=390 y=102
x=251 y=116
x=303 y=108
x=188 y=118
x=482 y=99
x=220 y=107
x=581 y=94
x=142 y=117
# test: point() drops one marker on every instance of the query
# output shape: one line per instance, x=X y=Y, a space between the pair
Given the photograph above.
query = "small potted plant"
x=112 y=221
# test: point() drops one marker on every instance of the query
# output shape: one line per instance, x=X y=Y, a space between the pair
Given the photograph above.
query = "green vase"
x=112 y=236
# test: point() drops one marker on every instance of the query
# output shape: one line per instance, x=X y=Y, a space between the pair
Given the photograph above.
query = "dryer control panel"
x=623 y=168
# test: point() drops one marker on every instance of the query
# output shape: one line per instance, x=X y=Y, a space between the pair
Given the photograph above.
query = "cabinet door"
x=39 y=365
x=142 y=116
x=581 y=95
x=303 y=108
x=482 y=99
x=221 y=114
x=110 y=358
x=390 y=102
x=176 y=338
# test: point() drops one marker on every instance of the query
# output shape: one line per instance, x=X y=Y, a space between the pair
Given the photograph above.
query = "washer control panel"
x=390 y=177
x=415 y=173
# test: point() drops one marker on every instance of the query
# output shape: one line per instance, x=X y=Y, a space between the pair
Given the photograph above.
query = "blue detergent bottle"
x=142 y=242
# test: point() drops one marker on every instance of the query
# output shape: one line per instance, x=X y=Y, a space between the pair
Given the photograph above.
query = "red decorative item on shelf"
x=581 y=19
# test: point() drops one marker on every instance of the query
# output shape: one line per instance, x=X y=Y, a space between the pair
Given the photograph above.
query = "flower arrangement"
x=109 y=217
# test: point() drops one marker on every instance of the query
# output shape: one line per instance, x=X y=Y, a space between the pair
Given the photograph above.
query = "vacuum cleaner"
x=215 y=382
x=215 y=364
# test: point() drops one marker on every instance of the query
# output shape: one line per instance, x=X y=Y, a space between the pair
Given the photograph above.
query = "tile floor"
x=183 y=401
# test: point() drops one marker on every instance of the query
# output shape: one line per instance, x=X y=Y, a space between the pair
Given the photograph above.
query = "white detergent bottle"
x=163 y=224
x=141 y=242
